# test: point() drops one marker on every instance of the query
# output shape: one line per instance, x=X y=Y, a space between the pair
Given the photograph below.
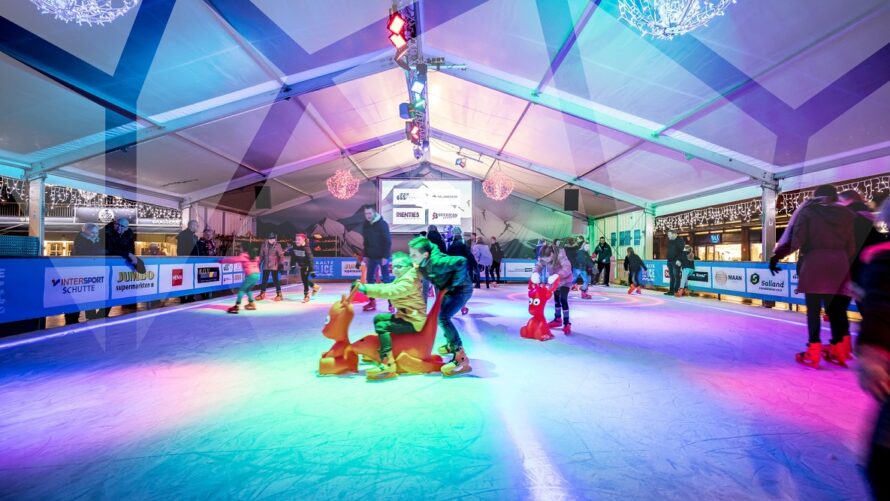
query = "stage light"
x=398 y=41
x=417 y=87
x=461 y=162
x=419 y=103
x=396 y=23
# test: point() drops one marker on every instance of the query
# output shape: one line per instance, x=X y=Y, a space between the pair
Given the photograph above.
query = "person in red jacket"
x=250 y=264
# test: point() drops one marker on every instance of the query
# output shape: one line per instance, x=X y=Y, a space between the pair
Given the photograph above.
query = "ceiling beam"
x=540 y=169
x=290 y=168
x=601 y=115
x=861 y=155
x=713 y=190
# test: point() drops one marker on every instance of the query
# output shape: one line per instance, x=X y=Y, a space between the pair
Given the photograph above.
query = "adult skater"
x=272 y=257
x=553 y=261
x=454 y=238
x=497 y=254
x=377 y=250
x=823 y=232
x=301 y=252
x=580 y=265
x=674 y=250
x=603 y=253
x=483 y=258
x=873 y=352
x=406 y=295
x=446 y=272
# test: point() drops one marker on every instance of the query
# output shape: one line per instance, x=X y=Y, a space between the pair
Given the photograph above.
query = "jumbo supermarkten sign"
x=129 y=283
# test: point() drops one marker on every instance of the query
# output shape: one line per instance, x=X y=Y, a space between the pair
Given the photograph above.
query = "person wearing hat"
x=272 y=259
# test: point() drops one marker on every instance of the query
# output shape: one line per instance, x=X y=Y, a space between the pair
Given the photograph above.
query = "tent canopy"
x=177 y=102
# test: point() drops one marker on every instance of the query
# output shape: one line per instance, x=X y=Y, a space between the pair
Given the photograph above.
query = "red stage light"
x=398 y=41
x=396 y=24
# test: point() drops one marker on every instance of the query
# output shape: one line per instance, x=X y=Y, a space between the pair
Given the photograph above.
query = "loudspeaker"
x=263 y=197
x=571 y=199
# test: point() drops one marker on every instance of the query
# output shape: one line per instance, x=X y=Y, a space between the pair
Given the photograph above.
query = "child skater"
x=406 y=295
x=302 y=254
x=250 y=264
x=634 y=267
x=554 y=261
x=687 y=266
x=446 y=272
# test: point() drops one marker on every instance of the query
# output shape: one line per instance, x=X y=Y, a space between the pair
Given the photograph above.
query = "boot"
x=233 y=309
x=306 y=298
x=639 y=290
x=837 y=354
x=460 y=364
x=811 y=356
x=316 y=289
x=630 y=290
x=250 y=306
x=446 y=349
x=848 y=346
x=556 y=322
x=261 y=296
x=384 y=370
x=681 y=292
x=371 y=306
x=585 y=295
x=567 y=328
x=278 y=297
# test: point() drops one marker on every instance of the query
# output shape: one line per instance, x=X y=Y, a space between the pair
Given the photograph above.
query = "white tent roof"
x=182 y=101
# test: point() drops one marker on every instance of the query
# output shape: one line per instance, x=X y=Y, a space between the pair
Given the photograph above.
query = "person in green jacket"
x=603 y=253
x=406 y=296
x=446 y=272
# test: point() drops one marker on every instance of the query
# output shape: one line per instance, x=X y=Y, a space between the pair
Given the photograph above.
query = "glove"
x=536 y=278
x=774 y=265
x=552 y=278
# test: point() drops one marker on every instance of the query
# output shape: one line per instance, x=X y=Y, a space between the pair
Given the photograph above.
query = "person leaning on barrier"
x=86 y=243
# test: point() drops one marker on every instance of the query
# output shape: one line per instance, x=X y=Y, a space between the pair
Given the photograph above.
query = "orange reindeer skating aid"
x=538 y=295
x=340 y=359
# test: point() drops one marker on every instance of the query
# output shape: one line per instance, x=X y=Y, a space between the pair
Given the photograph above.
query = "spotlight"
x=398 y=41
x=417 y=87
x=461 y=162
x=412 y=132
x=396 y=23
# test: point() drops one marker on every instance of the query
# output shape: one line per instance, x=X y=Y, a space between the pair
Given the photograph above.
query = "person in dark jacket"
x=446 y=272
x=86 y=243
x=272 y=259
x=432 y=233
x=864 y=231
x=301 y=253
x=823 y=232
x=187 y=240
x=603 y=253
x=454 y=239
x=497 y=254
x=634 y=266
x=674 y=251
x=580 y=262
x=873 y=354
x=121 y=241
x=377 y=250
x=206 y=244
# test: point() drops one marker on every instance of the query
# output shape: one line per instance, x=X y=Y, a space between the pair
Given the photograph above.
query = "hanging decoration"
x=666 y=19
x=88 y=12
x=497 y=186
x=343 y=184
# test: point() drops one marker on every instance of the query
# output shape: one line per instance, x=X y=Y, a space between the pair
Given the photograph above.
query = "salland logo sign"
x=731 y=279
x=761 y=281
x=176 y=277
x=129 y=283
x=402 y=215
x=409 y=196
x=74 y=285
x=447 y=216
x=207 y=274
x=349 y=269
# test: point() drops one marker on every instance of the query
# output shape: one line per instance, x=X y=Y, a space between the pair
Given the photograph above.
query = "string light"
x=497 y=186
x=88 y=12
x=666 y=19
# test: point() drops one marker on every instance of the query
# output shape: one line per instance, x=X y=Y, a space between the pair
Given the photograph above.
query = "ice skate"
x=555 y=323
x=460 y=364
x=631 y=289
x=384 y=370
x=585 y=295
x=371 y=306
x=567 y=328
x=250 y=306
x=445 y=349
x=261 y=296
x=315 y=289
x=836 y=354
x=307 y=298
x=233 y=309
x=278 y=297
x=639 y=290
x=681 y=292
x=810 y=357
x=848 y=346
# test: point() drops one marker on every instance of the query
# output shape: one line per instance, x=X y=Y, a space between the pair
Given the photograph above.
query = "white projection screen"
x=410 y=205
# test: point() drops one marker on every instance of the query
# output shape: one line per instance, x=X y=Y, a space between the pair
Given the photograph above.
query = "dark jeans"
x=835 y=307
x=635 y=277
x=386 y=324
x=675 y=273
x=275 y=281
x=599 y=271
x=495 y=270
x=879 y=458
x=306 y=278
x=373 y=266
x=480 y=268
x=561 y=300
x=451 y=304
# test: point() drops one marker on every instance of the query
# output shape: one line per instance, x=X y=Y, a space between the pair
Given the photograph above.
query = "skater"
x=301 y=252
x=432 y=233
x=687 y=267
x=603 y=253
x=482 y=256
x=873 y=353
x=553 y=261
x=250 y=263
x=634 y=266
x=674 y=250
x=823 y=231
x=571 y=248
x=454 y=238
x=272 y=257
x=446 y=272
x=497 y=254
x=406 y=295
x=377 y=251
x=580 y=266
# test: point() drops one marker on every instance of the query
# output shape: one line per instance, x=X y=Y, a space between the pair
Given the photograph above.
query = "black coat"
x=459 y=248
x=86 y=247
x=119 y=244
x=496 y=252
x=187 y=243
x=436 y=238
x=675 y=250
x=378 y=241
x=633 y=263
x=685 y=262
x=865 y=234
x=302 y=256
x=875 y=304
